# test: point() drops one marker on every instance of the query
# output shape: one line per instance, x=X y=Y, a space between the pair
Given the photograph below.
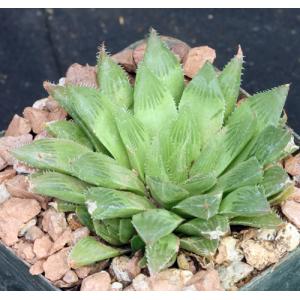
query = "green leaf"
x=199 y=246
x=212 y=228
x=50 y=154
x=268 y=106
x=243 y=174
x=85 y=218
x=113 y=81
x=270 y=144
x=166 y=193
x=153 y=224
x=227 y=144
x=60 y=186
x=275 y=180
x=88 y=251
x=135 y=139
x=281 y=197
x=199 y=184
x=153 y=103
x=164 y=65
x=97 y=114
x=245 y=201
x=230 y=80
x=204 y=101
x=105 y=203
x=68 y=130
x=64 y=206
x=155 y=165
x=108 y=230
x=160 y=254
x=201 y=206
x=126 y=230
x=136 y=243
x=101 y=170
x=270 y=220
x=60 y=94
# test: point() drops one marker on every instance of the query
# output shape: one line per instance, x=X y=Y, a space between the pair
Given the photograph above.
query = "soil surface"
x=39 y=44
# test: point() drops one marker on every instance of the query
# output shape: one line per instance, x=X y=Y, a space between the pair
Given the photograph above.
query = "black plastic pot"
x=14 y=275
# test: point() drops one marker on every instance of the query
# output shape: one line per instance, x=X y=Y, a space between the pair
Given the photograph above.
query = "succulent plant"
x=160 y=166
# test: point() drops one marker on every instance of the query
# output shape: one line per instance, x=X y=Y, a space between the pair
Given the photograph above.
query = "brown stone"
x=291 y=209
x=83 y=272
x=40 y=104
x=82 y=75
x=37 y=267
x=18 y=126
x=260 y=254
x=22 y=168
x=21 y=209
x=58 y=114
x=9 y=143
x=3 y=163
x=138 y=53
x=37 y=118
x=42 y=246
x=79 y=233
x=73 y=221
x=7 y=174
x=18 y=186
x=96 y=282
x=125 y=268
x=64 y=239
x=56 y=265
x=292 y=165
x=206 y=281
x=33 y=233
x=54 y=223
x=52 y=105
x=196 y=59
x=125 y=58
x=295 y=196
x=9 y=229
x=70 y=277
x=25 y=251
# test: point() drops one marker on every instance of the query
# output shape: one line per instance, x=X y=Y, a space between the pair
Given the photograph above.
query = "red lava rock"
x=56 y=265
x=7 y=174
x=42 y=246
x=8 y=143
x=138 y=53
x=37 y=267
x=96 y=282
x=205 y=281
x=18 y=126
x=64 y=239
x=196 y=58
x=54 y=223
x=292 y=165
x=125 y=58
x=291 y=209
x=33 y=233
x=82 y=75
x=37 y=118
